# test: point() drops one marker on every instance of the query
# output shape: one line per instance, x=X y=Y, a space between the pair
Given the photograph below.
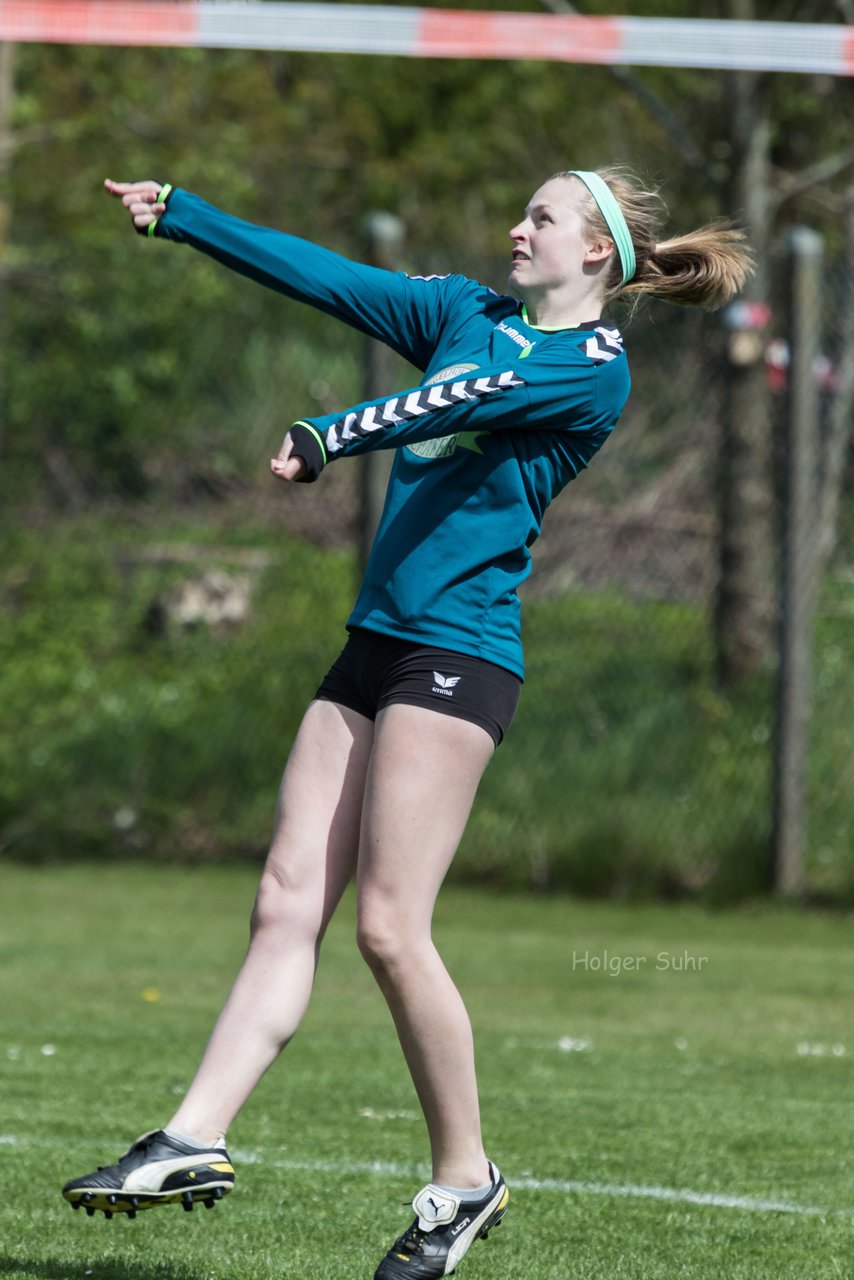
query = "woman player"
x=518 y=393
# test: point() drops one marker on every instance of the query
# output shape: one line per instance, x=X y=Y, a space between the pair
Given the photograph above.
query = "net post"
x=384 y=234
x=804 y=256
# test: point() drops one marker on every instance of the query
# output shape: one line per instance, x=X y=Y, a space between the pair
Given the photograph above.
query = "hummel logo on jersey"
x=606 y=346
x=515 y=336
x=445 y=684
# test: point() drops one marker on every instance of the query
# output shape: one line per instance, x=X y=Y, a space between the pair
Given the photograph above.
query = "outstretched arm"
x=407 y=313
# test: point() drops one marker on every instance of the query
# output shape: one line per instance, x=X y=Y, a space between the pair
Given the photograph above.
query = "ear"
x=599 y=251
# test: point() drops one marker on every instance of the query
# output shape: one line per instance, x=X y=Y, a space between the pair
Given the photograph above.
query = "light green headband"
x=613 y=215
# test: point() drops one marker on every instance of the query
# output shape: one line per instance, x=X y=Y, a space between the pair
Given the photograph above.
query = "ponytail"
x=704 y=268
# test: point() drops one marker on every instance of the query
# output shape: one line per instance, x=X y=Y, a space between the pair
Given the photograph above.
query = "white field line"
x=560 y=1186
x=679 y=1195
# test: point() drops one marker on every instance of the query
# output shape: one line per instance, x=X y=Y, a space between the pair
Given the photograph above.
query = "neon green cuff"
x=165 y=192
x=318 y=437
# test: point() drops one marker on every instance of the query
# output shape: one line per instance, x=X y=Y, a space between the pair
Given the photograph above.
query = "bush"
x=626 y=772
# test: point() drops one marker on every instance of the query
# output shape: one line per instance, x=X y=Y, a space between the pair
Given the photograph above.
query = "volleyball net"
x=806 y=48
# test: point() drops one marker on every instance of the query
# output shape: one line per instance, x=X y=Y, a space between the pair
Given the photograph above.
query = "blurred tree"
x=7 y=94
x=744 y=612
x=134 y=369
x=841 y=416
x=772 y=161
x=758 y=135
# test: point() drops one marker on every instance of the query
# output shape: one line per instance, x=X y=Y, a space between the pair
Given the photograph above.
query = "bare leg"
x=424 y=771
x=312 y=858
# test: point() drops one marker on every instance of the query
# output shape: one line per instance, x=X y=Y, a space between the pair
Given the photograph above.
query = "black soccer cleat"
x=157 y=1170
x=443 y=1232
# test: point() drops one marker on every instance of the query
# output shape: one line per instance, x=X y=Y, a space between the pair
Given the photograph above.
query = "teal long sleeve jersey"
x=506 y=415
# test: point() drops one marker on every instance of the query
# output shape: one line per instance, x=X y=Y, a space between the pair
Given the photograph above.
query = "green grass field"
x=671 y=1119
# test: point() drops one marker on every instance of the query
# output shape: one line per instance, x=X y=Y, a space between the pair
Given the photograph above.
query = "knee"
x=383 y=939
x=281 y=910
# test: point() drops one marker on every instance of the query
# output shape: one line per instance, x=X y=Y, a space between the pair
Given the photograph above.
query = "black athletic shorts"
x=374 y=670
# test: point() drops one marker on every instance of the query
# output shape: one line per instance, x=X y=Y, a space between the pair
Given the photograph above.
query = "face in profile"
x=550 y=245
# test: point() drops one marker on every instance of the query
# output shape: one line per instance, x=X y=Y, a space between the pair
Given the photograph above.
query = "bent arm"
x=496 y=398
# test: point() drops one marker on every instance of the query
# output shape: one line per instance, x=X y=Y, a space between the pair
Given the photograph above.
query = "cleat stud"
x=75 y=1204
x=90 y=1212
x=134 y=1202
x=86 y=1197
x=209 y=1204
x=112 y=1199
x=131 y=1213
x=107 y=1214
x=187 y=1201
x=218 y=1193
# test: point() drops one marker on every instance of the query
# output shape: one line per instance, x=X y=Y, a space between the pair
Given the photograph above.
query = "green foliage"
x=597 y=1087
x=135 y=370
x=622 y=696
x=115 y=741
x=625 y=772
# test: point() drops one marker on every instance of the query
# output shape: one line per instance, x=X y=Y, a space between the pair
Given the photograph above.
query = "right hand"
x=140 y=200
x=287 y=466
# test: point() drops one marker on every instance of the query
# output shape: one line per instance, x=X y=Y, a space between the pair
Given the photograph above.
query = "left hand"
x=285 y=466
x=140 y=199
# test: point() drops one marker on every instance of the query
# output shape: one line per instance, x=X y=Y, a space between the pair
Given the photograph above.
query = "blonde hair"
x=704 y=268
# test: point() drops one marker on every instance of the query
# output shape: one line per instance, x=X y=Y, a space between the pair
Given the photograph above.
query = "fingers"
x=286 y=467
x=142 y=212
x=119 y=189
x=135 y=201
x=139 y=198
x=290 y=470
x=286 y=449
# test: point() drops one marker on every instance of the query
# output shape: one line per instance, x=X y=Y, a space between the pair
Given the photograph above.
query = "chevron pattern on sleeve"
x=607 y=344
x=359 y=423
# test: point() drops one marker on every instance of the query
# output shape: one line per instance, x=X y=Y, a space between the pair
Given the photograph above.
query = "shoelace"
x=412 y=1241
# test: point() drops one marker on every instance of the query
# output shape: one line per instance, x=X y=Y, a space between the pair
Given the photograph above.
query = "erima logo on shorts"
x=445 y=684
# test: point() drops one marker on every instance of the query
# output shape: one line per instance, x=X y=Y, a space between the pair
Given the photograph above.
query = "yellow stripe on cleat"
x=222 y=1168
